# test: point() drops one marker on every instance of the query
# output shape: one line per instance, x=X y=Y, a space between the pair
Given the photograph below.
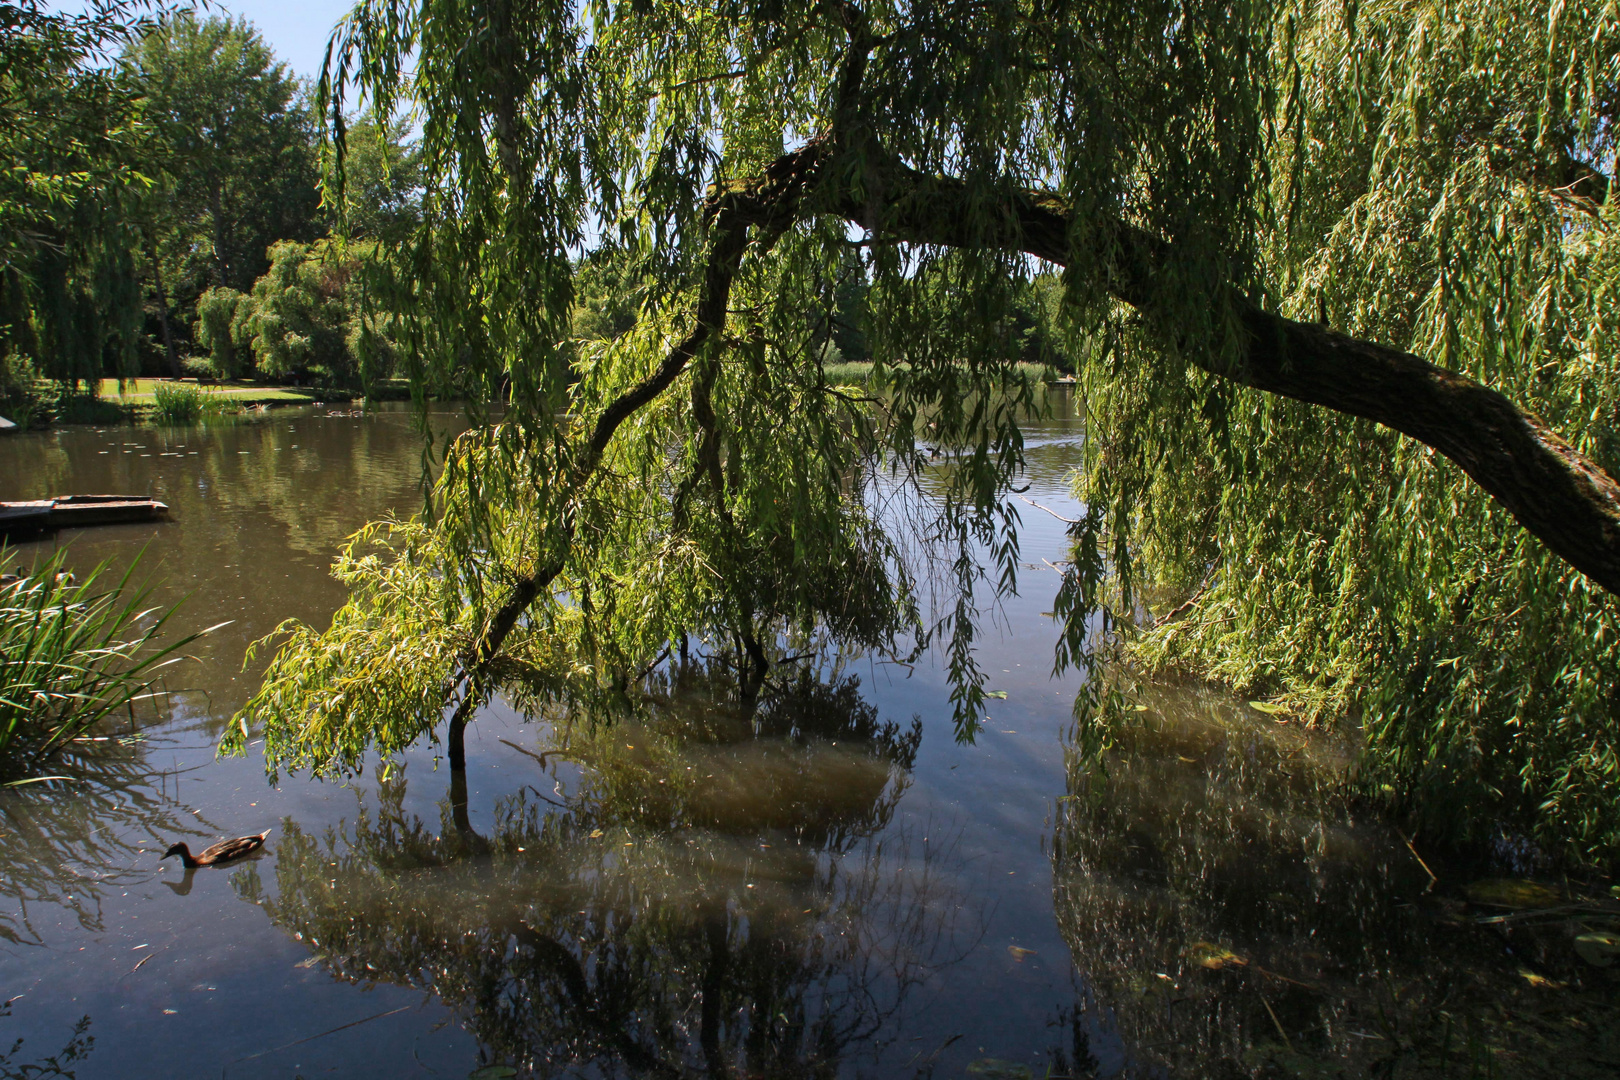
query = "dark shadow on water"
x=1234 y=913
x=15 y=1064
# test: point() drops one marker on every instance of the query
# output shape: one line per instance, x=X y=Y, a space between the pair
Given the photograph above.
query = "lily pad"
x=1512 y=893
x=1599 y=950
x=1207 y=954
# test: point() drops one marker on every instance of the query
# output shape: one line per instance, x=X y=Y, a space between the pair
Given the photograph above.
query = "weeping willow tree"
x=1314 y=258
x=74 y=145
x=1439 y=181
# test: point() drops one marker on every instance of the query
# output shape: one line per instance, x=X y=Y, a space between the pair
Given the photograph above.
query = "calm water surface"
x=833 y=886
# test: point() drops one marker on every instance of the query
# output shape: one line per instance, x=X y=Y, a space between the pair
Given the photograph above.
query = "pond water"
x=832 y=887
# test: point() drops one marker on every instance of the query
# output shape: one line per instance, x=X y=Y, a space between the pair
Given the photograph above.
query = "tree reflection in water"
x=63 y=843
x=1234 y=916
x=718 y=896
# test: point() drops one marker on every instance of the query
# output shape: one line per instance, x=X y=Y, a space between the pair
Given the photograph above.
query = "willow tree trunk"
x=163 y=309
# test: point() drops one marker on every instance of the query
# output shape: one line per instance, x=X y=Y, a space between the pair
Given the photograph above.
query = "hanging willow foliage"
x=74 y=144
x=1441 y=179
x=1202 y=171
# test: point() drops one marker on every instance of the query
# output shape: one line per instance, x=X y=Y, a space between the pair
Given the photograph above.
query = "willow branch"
x=1561 y=496
x=767 y=205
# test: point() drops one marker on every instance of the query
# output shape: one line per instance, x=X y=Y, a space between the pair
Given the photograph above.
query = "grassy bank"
x=43 y=402
x=142 y=392
x=860 y=372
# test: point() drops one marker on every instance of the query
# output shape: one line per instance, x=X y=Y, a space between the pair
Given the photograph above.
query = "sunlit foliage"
x=234 y=149
x=72 y=653
x=700 y=475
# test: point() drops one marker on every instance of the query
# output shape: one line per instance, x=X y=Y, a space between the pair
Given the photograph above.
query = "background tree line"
x=169 y=215
x=165 y=212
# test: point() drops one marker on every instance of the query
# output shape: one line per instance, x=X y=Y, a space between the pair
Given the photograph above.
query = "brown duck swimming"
x=223 y=852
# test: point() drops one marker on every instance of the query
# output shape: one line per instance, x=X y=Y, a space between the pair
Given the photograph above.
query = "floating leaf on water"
x=309 y=962
x=1002 y=694
x=492 y=1072
x=996 y=1069
x=1267 y=707
x=1599 y=950
x=1207 y=954
x=1511 y=893
x=596 y=834
x=1541 y=982
x=1018 y=954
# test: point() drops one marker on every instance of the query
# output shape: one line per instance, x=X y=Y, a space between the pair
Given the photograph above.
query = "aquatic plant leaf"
x=1599 y=950
x=1207 y=954
x=1540 y=982
x=1268 y=707
x=1512 y=893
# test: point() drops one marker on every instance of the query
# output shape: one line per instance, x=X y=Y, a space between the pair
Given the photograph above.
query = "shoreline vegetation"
x=116 y=401
x=74 y=652
x=165 y=400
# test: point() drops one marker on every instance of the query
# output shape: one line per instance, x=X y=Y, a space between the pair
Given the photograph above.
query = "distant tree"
x=604 y=299
x=238 y=165
x=305 y=318
x=849 y=308
x=75 y=151
x=1047 y=337
x=220 y=314
x=376 y=193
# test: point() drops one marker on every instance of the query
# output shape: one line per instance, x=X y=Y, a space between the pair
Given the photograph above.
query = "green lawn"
x=139 y=392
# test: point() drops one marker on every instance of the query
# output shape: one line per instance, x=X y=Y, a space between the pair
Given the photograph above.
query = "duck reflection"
x=716 y=895
x=1235 y=913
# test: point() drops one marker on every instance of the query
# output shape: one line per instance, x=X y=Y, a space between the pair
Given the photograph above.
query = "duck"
x=223 y=852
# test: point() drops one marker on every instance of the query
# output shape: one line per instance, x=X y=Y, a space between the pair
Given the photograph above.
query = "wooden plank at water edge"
x=77 y=511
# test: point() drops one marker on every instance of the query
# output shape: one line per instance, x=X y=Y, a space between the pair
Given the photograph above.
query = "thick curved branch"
x=767 y=205
x=1564 y=498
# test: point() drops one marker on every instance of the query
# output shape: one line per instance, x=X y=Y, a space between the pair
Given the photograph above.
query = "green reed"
x=178 y=403
x=73 y=652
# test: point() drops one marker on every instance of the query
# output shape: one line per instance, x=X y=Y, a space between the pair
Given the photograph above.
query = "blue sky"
x=296 y=29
